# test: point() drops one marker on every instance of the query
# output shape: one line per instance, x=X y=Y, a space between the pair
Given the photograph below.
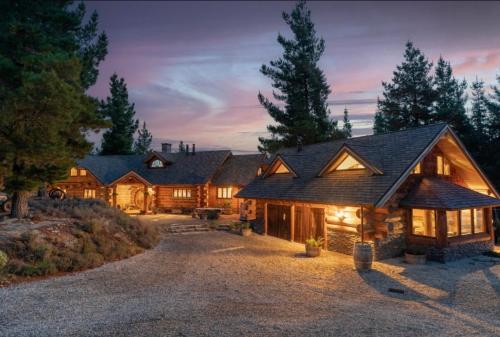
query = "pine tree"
x=301 y=85
x=43 y=106
x=144 y=138
x=347 y=127
x=408 y=99
x=479 y=111
x=493 y=120
x=450 y=101
x=119 y=139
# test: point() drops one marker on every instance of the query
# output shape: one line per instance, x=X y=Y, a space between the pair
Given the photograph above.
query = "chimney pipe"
x=194 y=149
x=299 y=143
x=187 y=149
x=166 y=147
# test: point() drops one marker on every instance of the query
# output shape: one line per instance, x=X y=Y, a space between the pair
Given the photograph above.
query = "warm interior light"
x=340 y=215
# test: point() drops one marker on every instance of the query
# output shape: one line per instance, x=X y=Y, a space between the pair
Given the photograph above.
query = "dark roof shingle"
x=239 y=169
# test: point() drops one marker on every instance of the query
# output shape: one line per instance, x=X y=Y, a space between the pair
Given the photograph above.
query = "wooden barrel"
x=363 y=256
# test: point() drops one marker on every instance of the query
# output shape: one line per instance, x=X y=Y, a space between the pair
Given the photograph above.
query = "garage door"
x=309 y=223
x=278 y=221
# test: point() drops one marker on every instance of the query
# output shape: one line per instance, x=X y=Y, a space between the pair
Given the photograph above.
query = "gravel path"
x=220 y=284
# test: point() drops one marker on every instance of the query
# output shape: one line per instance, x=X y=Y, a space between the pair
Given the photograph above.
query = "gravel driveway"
x=220 y=284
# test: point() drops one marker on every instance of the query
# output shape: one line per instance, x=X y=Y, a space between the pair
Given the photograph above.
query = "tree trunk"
x=20 y=204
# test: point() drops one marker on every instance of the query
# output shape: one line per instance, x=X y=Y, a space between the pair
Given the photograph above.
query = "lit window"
x=182 y=193
x=424 y=222
x=349 y=163
x=259 y=171
x=224 y=192
x=479 y=224
x=465 y=221
x=281 y=169
x=452 y=221
x=417 y=169
x=89 y=194
x=73 y=172
x=156 y=163
x=443 y=166
x=83 y=173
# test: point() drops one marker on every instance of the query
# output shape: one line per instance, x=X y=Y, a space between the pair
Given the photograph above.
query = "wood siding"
x=165 y=197
x=75 y=186
x=232 y=203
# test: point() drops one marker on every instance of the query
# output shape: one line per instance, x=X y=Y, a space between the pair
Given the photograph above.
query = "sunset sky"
x=192 y=68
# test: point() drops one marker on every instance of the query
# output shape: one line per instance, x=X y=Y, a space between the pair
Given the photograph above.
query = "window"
x=443 y=166
x=259 y=171
x=281 y=169
x=224 y=192
x=349 y=163
x=73 y=172
x=83 y=172
x=424 y=222
x=479 y=224
x=156 y=163
x=465 y=222
x=452 y=221
x=417 y=169
x=182 y=193
x=89 y=194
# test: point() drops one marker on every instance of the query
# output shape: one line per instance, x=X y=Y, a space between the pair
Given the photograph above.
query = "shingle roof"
x=393 y=153
x=439 y=193
x=239 y=169
x=184 y=169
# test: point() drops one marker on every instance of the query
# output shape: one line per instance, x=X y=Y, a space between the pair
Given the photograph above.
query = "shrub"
x=312 y=242
x=212 y=214
x=4 y=259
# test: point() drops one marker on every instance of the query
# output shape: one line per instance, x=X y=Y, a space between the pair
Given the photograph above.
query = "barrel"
x=363 y=256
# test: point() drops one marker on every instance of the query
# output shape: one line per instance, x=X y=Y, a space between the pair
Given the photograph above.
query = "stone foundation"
x=391 y=246
x=341 y=241
x=459 y=251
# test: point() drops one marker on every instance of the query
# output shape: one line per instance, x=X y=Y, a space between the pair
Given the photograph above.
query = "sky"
x=192 y=68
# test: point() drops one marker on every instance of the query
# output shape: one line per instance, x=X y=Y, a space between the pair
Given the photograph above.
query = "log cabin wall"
x=165 y=200
x=75 y=186
x=232 y=204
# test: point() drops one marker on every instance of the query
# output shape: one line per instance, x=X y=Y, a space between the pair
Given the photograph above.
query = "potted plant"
x=313 y=246
x=415 y=255
x=245 y=229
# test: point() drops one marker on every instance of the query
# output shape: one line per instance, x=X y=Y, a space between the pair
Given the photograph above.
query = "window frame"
x=473 y=222
x=224 y=192
x=443 y=168
x=89 y=193
x=73 y=170
x=182 y=193
x=417 y=169
x=435 y=224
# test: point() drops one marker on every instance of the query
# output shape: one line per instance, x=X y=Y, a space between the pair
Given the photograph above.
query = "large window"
x=443 y=166
x=224 y=192
x=453 y=223
x=479 y=223
x=417 y=169
x=89 y=193
x=182 y=193
x=465 y=222
x=83 y=172
x=424 y=222
x=349 y=163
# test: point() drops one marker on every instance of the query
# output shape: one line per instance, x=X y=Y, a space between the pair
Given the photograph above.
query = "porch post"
x=114 y=195
x=265 y=218
x=488 y=216
x=441 y=229
x=292 y=222
x=145 y=199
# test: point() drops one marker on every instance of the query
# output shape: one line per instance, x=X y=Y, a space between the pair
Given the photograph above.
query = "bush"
x=312 y=242
x=212 y=215
x=4 y=259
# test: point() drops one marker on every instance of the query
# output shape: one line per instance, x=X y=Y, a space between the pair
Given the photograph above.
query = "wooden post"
x=146 y=199
x=292 y=222
x=441 y=229
x=114 y=195
x=265 y=218
x=362 y=225
x=488 y=217
x=325 y=230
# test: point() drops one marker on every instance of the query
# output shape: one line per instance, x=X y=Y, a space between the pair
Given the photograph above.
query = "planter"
x=312 y=251
x=412 y=258
x=246 y=231
x=362 y=256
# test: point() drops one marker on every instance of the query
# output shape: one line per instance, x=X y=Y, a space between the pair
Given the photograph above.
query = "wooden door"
x=278 y=221
x=317 y=223
x=309 y=223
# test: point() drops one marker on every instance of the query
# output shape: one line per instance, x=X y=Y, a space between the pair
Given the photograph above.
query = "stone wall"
x=394 y=242
x=341 y=241
x=459 y=251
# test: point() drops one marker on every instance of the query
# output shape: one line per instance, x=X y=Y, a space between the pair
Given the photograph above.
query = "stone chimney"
x=187 y=149
x=194 y=149
x=166 y=147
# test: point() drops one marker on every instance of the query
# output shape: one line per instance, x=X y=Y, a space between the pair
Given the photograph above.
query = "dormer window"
x=281 y=169
x=417 y=169
x=157 y=163
x=443 y=166
x=349 y=163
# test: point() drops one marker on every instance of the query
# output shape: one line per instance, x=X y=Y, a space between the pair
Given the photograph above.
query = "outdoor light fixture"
x=340 y=215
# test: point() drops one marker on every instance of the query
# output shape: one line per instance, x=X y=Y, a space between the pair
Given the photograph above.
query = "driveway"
x=220 y=284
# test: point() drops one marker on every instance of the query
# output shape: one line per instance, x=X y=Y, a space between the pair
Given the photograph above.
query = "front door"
x=278 y=221
x=309 y=223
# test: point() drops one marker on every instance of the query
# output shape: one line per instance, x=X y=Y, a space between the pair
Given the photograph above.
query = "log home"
x=162 y=181
x=418 y=187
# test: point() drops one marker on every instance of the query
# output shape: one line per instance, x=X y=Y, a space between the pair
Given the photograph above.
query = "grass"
x=93 y=233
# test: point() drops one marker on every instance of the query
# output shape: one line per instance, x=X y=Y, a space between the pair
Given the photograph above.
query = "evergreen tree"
x=347 y=127
x=182 y=147
x=117 y=108
x=493 y=120
x=144 y=138
x=479 y=111
x=46 y=50
x=301 y=85
x=408 y=99
x=450 y=101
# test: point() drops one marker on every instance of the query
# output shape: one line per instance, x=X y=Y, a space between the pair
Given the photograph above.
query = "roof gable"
x=347 y=159
x=279 y=166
